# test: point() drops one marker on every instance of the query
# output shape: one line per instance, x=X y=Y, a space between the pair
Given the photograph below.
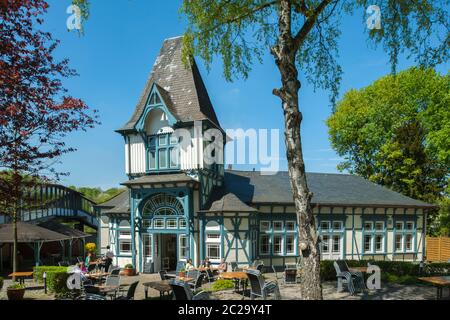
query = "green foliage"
x=129 y=266
x=220 y=285
x=396 y=132
x=440 y=226
x=56 y=278
x=241 y=31
x=97 y=194
x=16 y=286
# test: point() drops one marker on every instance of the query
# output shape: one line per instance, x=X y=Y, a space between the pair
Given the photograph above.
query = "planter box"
x=15 y=294
x=129 y=272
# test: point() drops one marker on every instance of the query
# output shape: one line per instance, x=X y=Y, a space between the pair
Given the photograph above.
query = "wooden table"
x=162 y=286
x=236 y=275
x=439 y=282
x=97 y=276
x=21 y=276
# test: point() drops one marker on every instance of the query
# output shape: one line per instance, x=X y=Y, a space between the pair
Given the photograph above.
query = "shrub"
x=56 y=278
x=129 y=266
x=1 y=283
x=221 y=284
x=16 y=286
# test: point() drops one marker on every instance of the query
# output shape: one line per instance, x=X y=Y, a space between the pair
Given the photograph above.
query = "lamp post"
x=44 y=276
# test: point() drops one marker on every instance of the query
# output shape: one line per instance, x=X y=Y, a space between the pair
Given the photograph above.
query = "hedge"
x=56 y=278
x=389 y=269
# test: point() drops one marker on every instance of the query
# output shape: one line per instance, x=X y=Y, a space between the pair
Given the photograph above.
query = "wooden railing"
x=438 y=249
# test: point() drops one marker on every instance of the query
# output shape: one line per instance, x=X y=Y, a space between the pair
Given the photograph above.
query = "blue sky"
x=121 y=42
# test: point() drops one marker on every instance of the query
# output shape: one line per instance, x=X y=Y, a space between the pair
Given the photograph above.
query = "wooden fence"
x=438 y=249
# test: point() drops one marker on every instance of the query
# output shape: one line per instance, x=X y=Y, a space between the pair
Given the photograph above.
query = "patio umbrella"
x=29 y=233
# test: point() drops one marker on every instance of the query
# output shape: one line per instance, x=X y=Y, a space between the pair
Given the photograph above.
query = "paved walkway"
x=288 y=292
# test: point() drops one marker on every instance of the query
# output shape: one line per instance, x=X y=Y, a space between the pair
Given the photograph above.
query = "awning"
x=55 y=226
x=29 y=233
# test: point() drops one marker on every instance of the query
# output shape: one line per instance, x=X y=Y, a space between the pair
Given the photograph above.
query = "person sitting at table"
x=89 y=262
x=206 y=263
x=223 y=266
x=189 y=266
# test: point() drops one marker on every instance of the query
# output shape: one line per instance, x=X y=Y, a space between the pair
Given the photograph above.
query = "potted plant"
x=182 y=273
x=129 y=270
x=16 y=291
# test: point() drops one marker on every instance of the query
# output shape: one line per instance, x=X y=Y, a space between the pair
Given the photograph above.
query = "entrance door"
x=168 y=252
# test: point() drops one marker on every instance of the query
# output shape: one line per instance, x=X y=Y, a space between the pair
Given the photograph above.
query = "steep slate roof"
x=183 y=92
x=337 y=189
x=118 y=204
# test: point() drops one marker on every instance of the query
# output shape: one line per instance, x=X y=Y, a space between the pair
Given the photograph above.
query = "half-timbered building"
x=177 y=206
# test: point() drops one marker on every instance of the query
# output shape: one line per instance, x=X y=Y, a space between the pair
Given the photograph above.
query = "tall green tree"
x=302 y=35
x=396 y=132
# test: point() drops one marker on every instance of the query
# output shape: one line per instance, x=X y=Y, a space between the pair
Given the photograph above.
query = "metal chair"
x=353 y=280
x=194 y=274
x=260 y=267
x=182 y=291
x=235 y=267
x=261 y=288
x=91 y=296
x=211 y=276
x=290 y=276
x=198 y=282
x=180 y=266
x=115 y=271
x=130 y=293
x=162 y=274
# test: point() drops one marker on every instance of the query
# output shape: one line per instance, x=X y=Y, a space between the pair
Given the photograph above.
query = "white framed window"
x=172 y=223
x=368 y=226
x=124 y=242
x=182 y=223
x=409 y=242
x=264 y=226
x=379 y=226
x=264 y=244
x=183 y=250
x=337 y=225
x=213 y=251
x=158 y=223
x=399 y=225
x=409 y=225
x=337 y=244
x=379 y=243
x=325 y=243
x=147 y=240
x=325 y=225
x=398 y=243
x=290 y=226
x=277 y=244
x=277 y=226
x=290 y=244
x=368 y=243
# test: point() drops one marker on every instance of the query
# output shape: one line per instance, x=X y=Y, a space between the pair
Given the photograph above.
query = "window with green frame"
x=163 y=152
x=374 y=236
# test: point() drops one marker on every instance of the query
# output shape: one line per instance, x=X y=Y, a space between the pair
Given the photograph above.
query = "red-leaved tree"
x=36 y=113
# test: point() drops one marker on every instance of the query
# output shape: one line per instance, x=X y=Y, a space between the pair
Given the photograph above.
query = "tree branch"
x=309 y=24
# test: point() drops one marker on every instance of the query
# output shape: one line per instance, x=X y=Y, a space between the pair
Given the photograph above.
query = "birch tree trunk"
x=284 y=53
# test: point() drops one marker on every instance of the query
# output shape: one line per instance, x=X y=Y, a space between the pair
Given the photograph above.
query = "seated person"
x=206 y=263
x=189 y=266
x=223 y=266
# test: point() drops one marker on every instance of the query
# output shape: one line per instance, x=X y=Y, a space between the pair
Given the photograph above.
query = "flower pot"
x=182 y=274
x=129 y=272
x=15 y=294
